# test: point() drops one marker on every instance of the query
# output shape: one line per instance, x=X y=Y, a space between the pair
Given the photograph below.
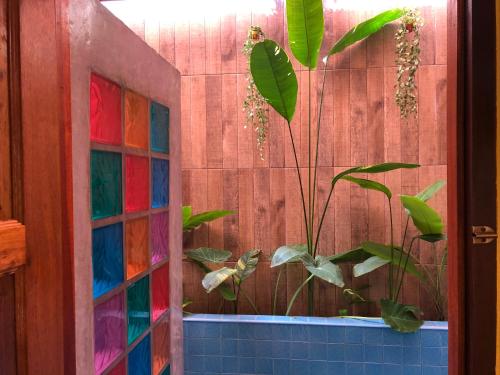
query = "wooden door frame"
x=471 y=67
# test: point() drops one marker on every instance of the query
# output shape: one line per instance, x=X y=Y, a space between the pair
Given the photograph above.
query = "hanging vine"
x=255 y=106
x=407 y=61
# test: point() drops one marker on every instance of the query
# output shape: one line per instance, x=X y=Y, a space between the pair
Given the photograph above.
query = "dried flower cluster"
x=407 y=60
x=255 y=106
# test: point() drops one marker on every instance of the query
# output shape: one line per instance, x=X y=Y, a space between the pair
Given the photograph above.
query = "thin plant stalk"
x=391 y=265
x=402 y=247
x=235 y=302
x=404 y=269
x=275 y=301
x=296 y=294
x=249 y=300
x=310 y=285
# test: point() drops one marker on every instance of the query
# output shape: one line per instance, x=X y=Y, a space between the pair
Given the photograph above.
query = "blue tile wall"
x=225 y=344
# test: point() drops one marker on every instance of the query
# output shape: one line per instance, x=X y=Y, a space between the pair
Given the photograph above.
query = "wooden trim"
x=12 y=246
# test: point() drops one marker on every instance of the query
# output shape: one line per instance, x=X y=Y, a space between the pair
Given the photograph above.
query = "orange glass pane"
x=136 y=244
x=136 y=120
x=161 y=346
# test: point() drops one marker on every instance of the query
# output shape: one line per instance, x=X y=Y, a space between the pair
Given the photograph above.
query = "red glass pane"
x=136 y=183
x=105 y=111
x=161 y=294
x=159 y=232
x=119 y=369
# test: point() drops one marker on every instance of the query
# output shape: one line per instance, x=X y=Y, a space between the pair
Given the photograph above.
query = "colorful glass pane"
x=136 y=183
x=139 y=359
x=160 y=182
x=161 y=346
x=119 y=369
x=159 y=232
x=106 y=181
x=136 y=243
x=160 y=121
x=105 y=111
x=160 y=291
x=166 y=371
x=136 y=120
x=138 y=308
x=107 y=258
x=109 y=332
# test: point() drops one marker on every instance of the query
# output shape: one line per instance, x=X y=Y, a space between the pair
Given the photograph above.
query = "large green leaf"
x=376 y=168
x=430 y=191
x=365 y=29
x=401 y=318
x=369 y=265
x=192 y=222
x=288 y=253
x=246 y=265
x=274 y=77
x=425 y=218
x=384 y=252
x=224 y=290
x=207 y=254
x=215 y=278
x=354 y=255
x=305 y=29
x=369 y=184
x=326 y=270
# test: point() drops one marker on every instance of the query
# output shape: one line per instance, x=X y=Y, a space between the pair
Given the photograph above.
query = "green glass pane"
x=106 y=181
x=138 y=308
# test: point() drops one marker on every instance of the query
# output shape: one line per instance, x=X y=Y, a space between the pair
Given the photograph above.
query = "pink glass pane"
x=137 y=183
x=119 y=369
x=159 y=232
x=105 y=111
x=109 y=334
x=160 y=291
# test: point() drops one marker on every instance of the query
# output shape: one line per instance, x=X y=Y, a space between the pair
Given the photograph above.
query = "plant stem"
x=300 y=181
x=250 y=301
x=310 y=296
x=323 y=215
x=275 y=301
x=402 y=248
x=235 y=302
x=315 y=178
x=296 y=294
x=404 y=269
x=309 y=164
x=391 y=265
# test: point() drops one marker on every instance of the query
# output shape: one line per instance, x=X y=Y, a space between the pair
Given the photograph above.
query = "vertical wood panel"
x=213 y=88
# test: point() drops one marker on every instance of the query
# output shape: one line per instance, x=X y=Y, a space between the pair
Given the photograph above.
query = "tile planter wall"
x=232 y=344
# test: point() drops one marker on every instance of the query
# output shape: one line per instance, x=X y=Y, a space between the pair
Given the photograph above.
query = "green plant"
x=218 y=279
x=276 y=81
x=434 y=285
x=371 y=255
x=191 y=222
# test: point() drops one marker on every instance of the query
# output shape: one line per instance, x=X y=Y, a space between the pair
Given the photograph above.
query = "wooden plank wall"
x=361 y=125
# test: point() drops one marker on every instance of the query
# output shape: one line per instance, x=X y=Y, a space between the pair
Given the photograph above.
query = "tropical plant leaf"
x=288 y=253
x=224 y=290
x=401 y=318
x=215 y=278
x=207 y=254
x=425 y=218
x=369 y=265
x=186 y=302
x=274 y=77
x=384 y=252
x=354 y=255
x=369 y=184
x=305 y=29
x=365 y=29
x=326 y=270
x=246 y=265
x=192 y=222
x=376 y=168
x=432 y=237
x=430 y=190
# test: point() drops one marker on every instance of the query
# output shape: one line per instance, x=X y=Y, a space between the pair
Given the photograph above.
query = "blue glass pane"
x=107 y=258
x=106 y=181
x=160 y=119
x=160 y=182
x=138 y=308
x=139 y=359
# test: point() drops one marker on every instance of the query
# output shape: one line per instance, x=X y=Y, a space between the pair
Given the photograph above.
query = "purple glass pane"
x=109 y=332
x=159 y=229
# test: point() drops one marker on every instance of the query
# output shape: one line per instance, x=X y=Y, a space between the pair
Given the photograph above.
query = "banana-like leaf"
x=287 y=254
x=369 y=265
x=376 y=168
x=401 y=318
x=369 y=184
x=215 y=278
x=191 y=222
x=274 y=77
x=430 y=191
x=432 y=237
x=354 y=255
x=326 y=270
x=365 y=29
x=207 y=254
x=425 y=218
x=246 y=265
x=305 y=29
